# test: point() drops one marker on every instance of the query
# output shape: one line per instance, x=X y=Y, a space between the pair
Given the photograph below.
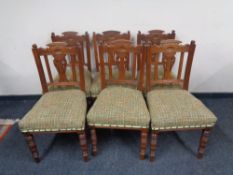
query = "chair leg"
x=94 y=141
x=83 y=144
x=143 y=144
x=203 y=141
x=153 y=144
x=32 y=146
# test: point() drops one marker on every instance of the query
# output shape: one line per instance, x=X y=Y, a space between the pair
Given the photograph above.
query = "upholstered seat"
x=177 y=109
x=87 y=79
x=56 y=111
x=119 y=107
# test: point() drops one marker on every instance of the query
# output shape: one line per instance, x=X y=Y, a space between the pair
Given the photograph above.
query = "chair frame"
x=58 y=50
x=106 y=37
x=72 y=38
x=170 y=49
x=118 y=46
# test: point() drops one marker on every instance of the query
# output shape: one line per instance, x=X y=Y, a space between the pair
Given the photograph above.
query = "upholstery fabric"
x=96 y=82
x=175 y=109
x=56 y=111
x=87 y=78
x=119 y=107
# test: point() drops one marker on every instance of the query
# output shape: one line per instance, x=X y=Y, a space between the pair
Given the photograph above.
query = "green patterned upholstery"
x=119 y=107
x=177 y=109
x=56 y=111
x=96 y=83
x=87 y=78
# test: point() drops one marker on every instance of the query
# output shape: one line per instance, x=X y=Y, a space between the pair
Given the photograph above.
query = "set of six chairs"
x=156 y=68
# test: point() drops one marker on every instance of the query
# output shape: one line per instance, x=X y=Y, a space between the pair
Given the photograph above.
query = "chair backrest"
x=166 y=53
x=120 y=54
x=106 y=37
x=156 y=31
x=72 y=38
x=54 y=59
x=154 y=37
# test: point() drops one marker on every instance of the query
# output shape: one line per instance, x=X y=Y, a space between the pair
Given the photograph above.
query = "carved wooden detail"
x=154 y=37
x=105 y=38
x=73 y=39
x=119 y=54
x=169 y=51
x=58 y=52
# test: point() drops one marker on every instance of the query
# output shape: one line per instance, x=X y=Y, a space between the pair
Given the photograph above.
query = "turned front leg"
x=94 y=141
x=153 y=145
x=32 y=146
x=203 y=141
x=143 y=144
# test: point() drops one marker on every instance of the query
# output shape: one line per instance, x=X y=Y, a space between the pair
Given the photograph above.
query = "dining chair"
x=72 y=38
x=104 y=38
x=120 y=104
x=175 y=109
x=61 y=111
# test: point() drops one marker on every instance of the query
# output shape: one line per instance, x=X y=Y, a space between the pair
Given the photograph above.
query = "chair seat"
x=56 y=111
x=87 y=78
x=119 y=107
x=177 y=109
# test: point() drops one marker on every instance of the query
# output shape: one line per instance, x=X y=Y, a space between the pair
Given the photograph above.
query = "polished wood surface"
x=120 y=54
x=154 y=37
x=165 y=55
x=58 y=55
x=72 y=38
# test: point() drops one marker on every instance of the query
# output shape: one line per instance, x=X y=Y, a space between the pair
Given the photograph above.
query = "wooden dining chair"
x=175 y=109
x=104 y=38
x=118 y=106
x=61 y=111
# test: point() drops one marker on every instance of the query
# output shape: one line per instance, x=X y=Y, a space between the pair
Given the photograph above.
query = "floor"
x=118 y=150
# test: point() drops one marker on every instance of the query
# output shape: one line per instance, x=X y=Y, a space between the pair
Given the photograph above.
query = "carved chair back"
x=104 y=38
x=166 y=52
x=119 y=53
x=154 y=37
x=54 y=59
x=72 y=38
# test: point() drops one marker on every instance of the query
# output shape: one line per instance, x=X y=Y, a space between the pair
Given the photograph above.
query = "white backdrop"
x=24 y=22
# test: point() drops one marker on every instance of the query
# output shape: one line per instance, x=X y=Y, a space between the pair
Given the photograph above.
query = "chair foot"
x=94 y=141
x=32 y=146
x=153 y=144
x=83 y=144
x=143 y=144
x=203 y=141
